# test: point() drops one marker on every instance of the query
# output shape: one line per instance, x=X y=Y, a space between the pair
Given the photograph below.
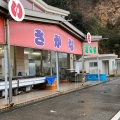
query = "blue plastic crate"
x=94 y=77
x=88 y=77
x=103 y=77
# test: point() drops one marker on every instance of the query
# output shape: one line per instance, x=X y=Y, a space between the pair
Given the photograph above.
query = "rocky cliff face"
x=102 y=10
x=108 y=10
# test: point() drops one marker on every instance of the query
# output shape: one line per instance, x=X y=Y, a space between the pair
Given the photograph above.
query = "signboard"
x=91 y=49
x=2 y=31
x=16 y=10
x=89 y=37
x=43 y=36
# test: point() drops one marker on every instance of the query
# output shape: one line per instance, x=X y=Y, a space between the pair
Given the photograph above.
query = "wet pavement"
x=99 y=102
x=37 y=95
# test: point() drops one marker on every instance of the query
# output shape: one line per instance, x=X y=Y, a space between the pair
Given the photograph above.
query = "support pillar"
x=9 y=63
x=57 y=71
x=6 y=74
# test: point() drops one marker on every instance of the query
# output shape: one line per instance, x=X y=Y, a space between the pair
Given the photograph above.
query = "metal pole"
x=82 y=65
x=57 y=71
x=9 y=64
x=83 y=79
x=98 y=69
x=50 y=63
x=6 y=74
x=41 y=68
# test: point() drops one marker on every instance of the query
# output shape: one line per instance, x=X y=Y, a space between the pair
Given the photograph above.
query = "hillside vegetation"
x=99 y=17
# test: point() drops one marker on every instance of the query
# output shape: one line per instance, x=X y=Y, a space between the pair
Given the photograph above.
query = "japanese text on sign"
x=90 y=49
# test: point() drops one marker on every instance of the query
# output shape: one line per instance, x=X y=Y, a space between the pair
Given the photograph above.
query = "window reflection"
x=1 y=60
x=32 y=61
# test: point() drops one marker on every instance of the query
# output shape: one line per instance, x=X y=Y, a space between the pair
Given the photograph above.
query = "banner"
x=43 y=36
x=2 y=31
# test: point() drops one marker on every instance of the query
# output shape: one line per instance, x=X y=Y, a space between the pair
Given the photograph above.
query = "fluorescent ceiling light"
x=26 y=52
x=36 y=53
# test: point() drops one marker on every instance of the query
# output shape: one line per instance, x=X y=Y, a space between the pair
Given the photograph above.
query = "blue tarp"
x=50 y=80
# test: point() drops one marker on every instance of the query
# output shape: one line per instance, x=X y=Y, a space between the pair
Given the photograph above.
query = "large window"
x=63 y=60
x=43 y=62
x=93 y=64
x=1 y=60
x=32 y=61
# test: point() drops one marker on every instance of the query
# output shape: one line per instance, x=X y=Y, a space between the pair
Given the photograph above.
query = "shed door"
x=105 y=67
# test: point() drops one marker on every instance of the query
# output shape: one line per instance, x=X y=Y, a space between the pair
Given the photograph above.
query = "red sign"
x=2 y=31
x=43 y=36
x=89 y=37
x=16 y=10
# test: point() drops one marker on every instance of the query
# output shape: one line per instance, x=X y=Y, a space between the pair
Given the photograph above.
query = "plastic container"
x=94 y=77
x=103 y=77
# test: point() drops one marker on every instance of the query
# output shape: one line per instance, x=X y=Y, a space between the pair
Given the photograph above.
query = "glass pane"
x=63 y=60
x=53 y=55
x=91 y=64
x=1 y=61
x=32 y=61
x=95 y=64
x=46 y=63
x=63 y=65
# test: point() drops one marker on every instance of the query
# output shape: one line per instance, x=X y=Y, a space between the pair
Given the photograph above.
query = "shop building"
x=43 y=44
x=45 y=23
x=106 y=63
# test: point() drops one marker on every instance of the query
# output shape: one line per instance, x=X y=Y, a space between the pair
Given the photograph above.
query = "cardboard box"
x=51 y=87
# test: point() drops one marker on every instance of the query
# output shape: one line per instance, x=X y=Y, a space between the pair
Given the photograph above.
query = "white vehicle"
x=21 y=83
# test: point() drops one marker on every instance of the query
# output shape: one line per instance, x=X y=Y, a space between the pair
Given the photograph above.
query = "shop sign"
x=91 y=49
x=41 y=36
x=40 y=40
x=2 y=31
x=16 y=10
x=89 y=37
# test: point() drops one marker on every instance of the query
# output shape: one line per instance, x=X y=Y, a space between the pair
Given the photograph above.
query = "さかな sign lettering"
x=71 y=44
x=57 y=41
x=39 y=37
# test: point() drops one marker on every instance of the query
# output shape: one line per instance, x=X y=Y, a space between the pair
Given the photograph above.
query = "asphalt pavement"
x=100 y=102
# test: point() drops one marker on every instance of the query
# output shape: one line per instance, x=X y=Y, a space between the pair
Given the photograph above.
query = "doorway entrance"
x=105 y=67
